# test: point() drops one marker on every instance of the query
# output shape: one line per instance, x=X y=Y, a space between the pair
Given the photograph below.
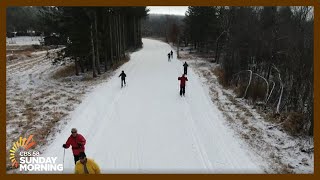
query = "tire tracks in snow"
x=23 y=66
x=29 y=63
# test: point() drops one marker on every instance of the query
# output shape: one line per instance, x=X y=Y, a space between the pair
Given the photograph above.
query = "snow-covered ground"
x=282 y=152
x=37 y=99
x=147 y=127
x=23 y=40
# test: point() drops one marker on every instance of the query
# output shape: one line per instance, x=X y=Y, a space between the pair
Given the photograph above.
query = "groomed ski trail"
x=147 y=127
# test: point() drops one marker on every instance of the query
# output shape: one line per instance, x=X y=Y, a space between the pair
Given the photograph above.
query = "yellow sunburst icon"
x=21 y=143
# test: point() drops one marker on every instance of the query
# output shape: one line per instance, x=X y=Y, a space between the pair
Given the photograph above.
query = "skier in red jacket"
x=77 y=141
x=183 y=80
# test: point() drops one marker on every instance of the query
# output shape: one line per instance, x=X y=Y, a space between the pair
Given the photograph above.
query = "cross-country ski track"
x=146 y=127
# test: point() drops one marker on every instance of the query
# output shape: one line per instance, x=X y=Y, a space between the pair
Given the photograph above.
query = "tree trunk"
x=117 y=37
x=81 y=65
x=134 y=32
x=111 y=40
x=76 y=61
x=125 y=33
x=217 y=52
x=139 y=32
x=120 y=36
x=123 y=37
x=178 y=46
x=93 y=52
x=312 y=123
x=105 y=43
x=269 y=71
x=97 y=43
x=217 y=47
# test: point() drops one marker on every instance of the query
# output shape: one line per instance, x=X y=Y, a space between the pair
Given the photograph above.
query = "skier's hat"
x=82 y=155
x=74 y=130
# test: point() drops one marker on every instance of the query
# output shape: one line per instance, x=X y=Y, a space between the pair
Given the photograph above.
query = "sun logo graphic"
x=23 y=144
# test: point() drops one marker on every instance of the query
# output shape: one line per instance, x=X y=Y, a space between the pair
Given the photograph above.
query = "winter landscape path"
x=146 y=127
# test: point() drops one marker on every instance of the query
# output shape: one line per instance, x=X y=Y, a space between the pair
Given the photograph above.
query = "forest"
x=96 y=38
x=265 y=54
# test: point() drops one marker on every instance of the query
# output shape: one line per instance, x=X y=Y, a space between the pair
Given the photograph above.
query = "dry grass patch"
x=46 y=129
x=72 y=99
x=18 y=100
x=30 y=113
x=64 y=72
x=219 y=72
x=240 y=90
x=63 y=95
x=46 y=108
x=56 y=116
x=245 y=136
x=253 y=129
x=228 y=117
x=206 y=74
x=12 y=57
x=294 y=124
x=244 y=121
x=57 y=97
x=43 y=133
x=88 y=77
x=26 y=53
x=53 y=103
x=69 y=108
x=117 y=64
x=184 y=56
x=247 y=113
x=45 y=94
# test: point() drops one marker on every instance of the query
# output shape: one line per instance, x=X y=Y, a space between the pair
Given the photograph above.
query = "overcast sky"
x=177 y=10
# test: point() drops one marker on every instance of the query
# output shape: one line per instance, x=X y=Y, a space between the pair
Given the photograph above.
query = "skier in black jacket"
x=171 y=54
x=123 y=78
x=185 y=68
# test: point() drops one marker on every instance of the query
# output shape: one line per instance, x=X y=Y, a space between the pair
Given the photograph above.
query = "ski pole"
x=64 y=152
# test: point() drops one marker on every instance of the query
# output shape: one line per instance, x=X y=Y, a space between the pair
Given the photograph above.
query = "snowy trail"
x=147 y=127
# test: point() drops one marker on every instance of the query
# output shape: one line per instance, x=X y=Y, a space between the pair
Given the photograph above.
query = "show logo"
x=27 y=160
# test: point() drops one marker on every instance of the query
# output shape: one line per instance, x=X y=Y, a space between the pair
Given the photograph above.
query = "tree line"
x=162 y=26
x=96 y=37
x=265 y=53
x=22 y=19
